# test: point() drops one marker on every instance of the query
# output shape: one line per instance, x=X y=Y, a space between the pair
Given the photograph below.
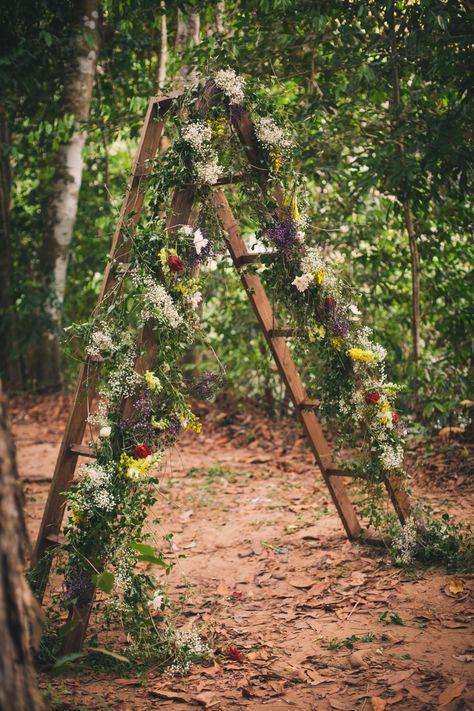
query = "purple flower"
x=207 y=385
x=139 y=426
x=77 y=587
x=283 y=233
x=174 y=429
x=340 y=325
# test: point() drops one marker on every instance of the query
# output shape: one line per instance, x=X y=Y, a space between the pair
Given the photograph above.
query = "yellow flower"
x=152 y=382
x=276 y=160
x=76 y=515
x=217 y=126
x=316 y=333
x=385 y=407
x=132 y=468
x=337 y=342
x=181 y=289
x=319 y=276
x=159 y=424
x=291 y=204
x=361 y=355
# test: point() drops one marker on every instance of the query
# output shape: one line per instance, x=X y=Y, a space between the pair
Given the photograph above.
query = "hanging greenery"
x=158 y=293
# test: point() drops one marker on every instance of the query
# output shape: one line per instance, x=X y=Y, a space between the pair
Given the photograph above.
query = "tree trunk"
x=163 y=48
x=62 y=208
x=188 y=33
x=10 y=368
x=407 y=211
x=19 y=611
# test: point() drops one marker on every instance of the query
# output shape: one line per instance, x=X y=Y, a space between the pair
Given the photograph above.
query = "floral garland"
x=163 y=285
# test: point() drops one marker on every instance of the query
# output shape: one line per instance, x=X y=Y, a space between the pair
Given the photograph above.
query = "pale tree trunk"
x=217 y=26
x=10 y=367
x=407 y=211
x=62 y=208
x=188 y=33
x=19 y=611
x=161 y=80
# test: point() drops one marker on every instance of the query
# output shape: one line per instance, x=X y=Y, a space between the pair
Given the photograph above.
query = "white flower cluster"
x=157 y=303
x=270 y=134
x=101 y=343
x=190 y=642
x=231 y=84
x=101 y=415
x=198 y=134
x=404 y=544
x=365 y=341
x=392 y=456
x=208 y=172
x=96 y=482
x=123 y=379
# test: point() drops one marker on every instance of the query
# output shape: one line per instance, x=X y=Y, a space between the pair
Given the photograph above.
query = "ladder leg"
x=287 y=368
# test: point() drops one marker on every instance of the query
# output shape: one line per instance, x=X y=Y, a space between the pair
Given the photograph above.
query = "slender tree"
x=63 y=204
x=19 y=611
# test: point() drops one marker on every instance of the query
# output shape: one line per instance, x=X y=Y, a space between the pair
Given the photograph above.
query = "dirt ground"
x=268 y=571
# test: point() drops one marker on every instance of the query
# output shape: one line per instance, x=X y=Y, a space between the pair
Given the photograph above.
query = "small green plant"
x=430 y=540
x=389 y=617
x=335 y=645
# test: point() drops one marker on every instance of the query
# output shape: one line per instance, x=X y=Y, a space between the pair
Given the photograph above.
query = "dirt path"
x=269 y=572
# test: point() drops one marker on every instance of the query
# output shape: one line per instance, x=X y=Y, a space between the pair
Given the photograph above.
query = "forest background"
x=379 y=97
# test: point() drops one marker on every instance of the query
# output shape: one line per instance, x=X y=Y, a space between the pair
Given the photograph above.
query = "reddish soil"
x=269 y=571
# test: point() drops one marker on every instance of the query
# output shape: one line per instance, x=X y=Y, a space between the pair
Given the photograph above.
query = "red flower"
x=175 y=263
x=234 y=654
x=395 y=417
x=372 y=398
x=141 y=451
x=330 y=302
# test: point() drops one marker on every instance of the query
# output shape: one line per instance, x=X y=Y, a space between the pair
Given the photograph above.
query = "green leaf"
x=148 y=554
x=104 y=581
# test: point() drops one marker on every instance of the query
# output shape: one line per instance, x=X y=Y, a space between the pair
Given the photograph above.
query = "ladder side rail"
x=67 y=460
x=287 y=369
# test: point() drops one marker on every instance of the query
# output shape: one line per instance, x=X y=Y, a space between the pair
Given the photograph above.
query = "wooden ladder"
x=72 y=447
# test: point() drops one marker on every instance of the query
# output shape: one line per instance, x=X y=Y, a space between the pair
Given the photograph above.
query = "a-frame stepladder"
x=72 y=446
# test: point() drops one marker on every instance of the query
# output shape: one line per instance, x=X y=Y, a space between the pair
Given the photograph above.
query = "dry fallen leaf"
x=302 y=582
x=378 y=704
x=464 y=657
x=456 y=586
x=452 y=692
x=399 y=676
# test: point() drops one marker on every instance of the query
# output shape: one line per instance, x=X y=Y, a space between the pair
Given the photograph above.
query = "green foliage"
x=331 y=70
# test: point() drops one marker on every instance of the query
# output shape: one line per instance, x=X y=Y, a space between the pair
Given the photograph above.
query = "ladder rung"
x=55 y=539
x=164 y=100
x=254 y=258
x=308 y=404
x=282 y=332
x=82 y=450
x=230 y=179
x=330 y=471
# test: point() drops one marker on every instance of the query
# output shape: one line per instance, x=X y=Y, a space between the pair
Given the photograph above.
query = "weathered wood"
x=308 y=404
x=82 y=450
x=286 y=367
x=284 y=332
x=85 y=390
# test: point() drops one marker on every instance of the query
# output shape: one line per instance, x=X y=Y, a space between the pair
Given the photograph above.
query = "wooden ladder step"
x=230 y=179
x=308 y=404
x=254 y=258
x=282 y=332
x=53 y=539
x=82 y=450
x=333 y=471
